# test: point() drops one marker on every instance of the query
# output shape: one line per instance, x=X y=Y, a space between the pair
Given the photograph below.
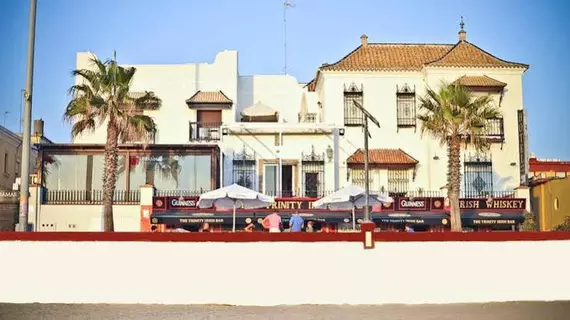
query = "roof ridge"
x=410 y=44
x=478 y=48
x=492 y=55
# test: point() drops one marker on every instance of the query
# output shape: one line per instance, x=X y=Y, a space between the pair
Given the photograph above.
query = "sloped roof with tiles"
x=479 y=81
x=209 y=97
x=414 y=57
x=382 y=157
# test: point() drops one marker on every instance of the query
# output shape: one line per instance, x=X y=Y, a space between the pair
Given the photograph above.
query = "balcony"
x=205 y=131
x=89 y=197
x=496 y=130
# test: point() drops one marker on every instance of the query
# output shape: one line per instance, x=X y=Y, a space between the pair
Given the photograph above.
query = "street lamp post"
x=26 y=143
x=367 y=116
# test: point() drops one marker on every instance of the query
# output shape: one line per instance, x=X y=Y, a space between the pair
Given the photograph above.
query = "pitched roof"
x=382 y=157
x=466 y=54
x=389 y=56
x=414 y=57
x=479 y=81
x=209 y=97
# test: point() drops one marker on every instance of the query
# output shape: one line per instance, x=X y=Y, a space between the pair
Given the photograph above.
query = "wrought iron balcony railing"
x=495 y=131
x=89 y=196
x=205 y=131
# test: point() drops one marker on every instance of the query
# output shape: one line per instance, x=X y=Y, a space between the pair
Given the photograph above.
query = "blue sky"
x=179 y=31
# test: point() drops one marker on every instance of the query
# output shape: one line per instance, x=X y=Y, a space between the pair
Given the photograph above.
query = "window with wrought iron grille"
x=398 y=181
x=478 y=176
x=406 y=106
x=495 y=130
x=313 y=174
x=352 y=115
x=244 y=169
x=359 y=178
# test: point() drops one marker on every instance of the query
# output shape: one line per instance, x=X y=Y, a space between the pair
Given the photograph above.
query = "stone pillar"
x=367 y=230
x=147 y=193
x=523 y=192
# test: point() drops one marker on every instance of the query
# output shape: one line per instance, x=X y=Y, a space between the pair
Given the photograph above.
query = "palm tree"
x=103 y=97
x=453 y=115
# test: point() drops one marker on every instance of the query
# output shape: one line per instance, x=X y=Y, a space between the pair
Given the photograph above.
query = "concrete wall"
x=288 y=273
x=87 y=217
x=550 y=202
x=9 y=205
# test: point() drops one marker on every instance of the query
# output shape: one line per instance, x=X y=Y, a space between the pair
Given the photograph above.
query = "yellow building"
x=550 y=191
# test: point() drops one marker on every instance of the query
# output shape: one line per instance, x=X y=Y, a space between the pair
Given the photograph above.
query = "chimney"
x=363 y=40
x=39 y=128
x=462 y=34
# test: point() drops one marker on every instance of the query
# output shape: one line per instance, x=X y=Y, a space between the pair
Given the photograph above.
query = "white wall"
x=379 y=94
x=262 y=274
x=87 y=217
x=174 y=84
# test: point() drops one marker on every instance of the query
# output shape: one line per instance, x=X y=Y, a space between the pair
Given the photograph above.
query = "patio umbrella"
x=350 y=197
x=230 y=196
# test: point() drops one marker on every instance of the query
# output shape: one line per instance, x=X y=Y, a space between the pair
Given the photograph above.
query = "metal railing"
x=205 y=131
x=495 y=130
x=179 y=193
x=89 y=196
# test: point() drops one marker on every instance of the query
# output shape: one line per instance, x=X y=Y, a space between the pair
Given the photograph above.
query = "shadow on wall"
x=245 y=95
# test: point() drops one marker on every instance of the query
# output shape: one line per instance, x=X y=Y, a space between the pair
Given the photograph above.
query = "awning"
x=474 y=218
x=243 y=218
x=411 y=218
x=260 y=112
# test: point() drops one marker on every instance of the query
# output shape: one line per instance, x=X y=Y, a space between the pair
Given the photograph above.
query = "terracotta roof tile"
x=382 y=157
x=209 y=97
x=389 y=56
x=465 y=54
x=479 y=81
x=413 y=57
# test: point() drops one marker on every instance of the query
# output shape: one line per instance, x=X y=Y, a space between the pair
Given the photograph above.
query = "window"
x=308 y=117
x=312 y=173
x=352 y=115
x=556 y=204
x=359 y=178
x=406 y=106
x=207 y=128
x=6 y=163
x=495 y=130
x=244 y=169
x=398 y=181
x=270 y=186
x=171 y=172
x=478 y=176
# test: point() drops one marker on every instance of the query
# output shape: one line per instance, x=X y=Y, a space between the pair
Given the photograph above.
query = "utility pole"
x=26 y=143
x=367 y=116
x=286 y=5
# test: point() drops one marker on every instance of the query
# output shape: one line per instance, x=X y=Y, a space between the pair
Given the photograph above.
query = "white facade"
x=308 y=115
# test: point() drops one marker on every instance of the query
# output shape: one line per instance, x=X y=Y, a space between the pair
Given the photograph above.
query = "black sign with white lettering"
x=174 y=203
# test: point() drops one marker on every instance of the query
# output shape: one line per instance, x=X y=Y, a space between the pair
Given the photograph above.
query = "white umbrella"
x=228 y=197
x=350 y=197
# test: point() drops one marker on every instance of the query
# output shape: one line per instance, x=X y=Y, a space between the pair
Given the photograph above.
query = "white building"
x=277 y=135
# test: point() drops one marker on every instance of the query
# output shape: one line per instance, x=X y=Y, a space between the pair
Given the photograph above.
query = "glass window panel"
x=171 y=172
x=65 y=172
x=271 y=180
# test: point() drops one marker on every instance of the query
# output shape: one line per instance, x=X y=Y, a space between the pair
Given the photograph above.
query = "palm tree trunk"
x=110 y=175
x=454 y=182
